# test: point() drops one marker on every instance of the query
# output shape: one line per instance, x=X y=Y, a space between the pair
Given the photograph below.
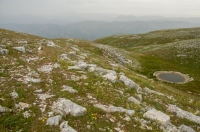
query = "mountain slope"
x=76 y=85
x=171 y=50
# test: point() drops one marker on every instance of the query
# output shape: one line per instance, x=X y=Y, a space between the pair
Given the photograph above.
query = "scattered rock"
x=33 y=80
x=72 y=53
x=44 y=96
x=3 y=51
x=111 y=108
x=158 y=116
x=183 y=114
x=4 y=109
x=22 y=105
x=26 y=114
x=64 y=127
x=149 y=91
x=111 y=76
x=23 y=42
x=138 y=97
x=38 y=91
x=127 y=118
x=64 y=57
x=51 y=44
x=14 y=95
x=169 y=128
x=129 y=83
x=134 y=100
x=69 y=89
x=48 y=68
x=20 y=48
x=74 y=48
x=78 y=66
x=54 y=120
x=66 y=107
x=184 y=128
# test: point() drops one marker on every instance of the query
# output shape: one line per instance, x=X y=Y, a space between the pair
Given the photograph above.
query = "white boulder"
x=51 y=44
x=134 y=100
x=128 y=82
x=149 y=91
x=20 y=48
x=64 y=57
x=183 y=114
x=14 y=95
x=54 y=120
x=111 y=108
x=111 y=76
x=72 y=53
x=3 y=51
x=184 y=128
x=158 y=116
x=66 y=107
x=64 y=127
x=4 y=109
x=69 y=89
x=22 y=105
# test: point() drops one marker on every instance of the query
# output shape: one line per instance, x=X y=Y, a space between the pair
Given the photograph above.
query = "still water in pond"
x=171 y=77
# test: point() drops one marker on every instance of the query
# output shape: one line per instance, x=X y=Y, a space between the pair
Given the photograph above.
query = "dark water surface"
x=171 y=77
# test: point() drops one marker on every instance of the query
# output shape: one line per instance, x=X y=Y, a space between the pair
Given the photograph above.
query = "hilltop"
x=76 y=85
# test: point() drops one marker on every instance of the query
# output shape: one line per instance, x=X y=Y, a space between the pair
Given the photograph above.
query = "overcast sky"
x=124 y=7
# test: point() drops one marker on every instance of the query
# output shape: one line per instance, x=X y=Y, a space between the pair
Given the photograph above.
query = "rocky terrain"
x=71 y=85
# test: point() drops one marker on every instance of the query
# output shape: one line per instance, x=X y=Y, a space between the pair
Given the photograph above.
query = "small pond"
x=171 y=77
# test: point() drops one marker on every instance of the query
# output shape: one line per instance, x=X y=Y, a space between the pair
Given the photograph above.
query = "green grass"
x=140 y=50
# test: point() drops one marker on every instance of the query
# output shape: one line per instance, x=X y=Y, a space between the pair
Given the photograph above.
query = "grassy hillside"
x=168 y=50
x=104 y=85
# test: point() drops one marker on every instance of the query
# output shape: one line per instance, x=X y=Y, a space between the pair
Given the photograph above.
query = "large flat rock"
x=158 y=116
x=66 y=107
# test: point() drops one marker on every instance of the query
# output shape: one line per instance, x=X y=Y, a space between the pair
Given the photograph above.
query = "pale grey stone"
x=72 y=53
x=64 y=57
x=51 y=44
x=20 y=48
x=48 y=68
x=33 y=80
x=66 y=107
x=69 y=89
x=170 y=128
x=128 y=82
x=111 y=108
x=147 y=90
x=138 y=97
x=22 y=105
x=134 y=100
x=38 y=91
x=78 y=66
x=44 y=96
x=26 y=114
x=54 y=120
x=64 y=127
x=4 y=109
x=3 y=51
x=158 y=116
x=14 y=95
x=111 y=76
x=23 y=42
x=74 y=48
x=184 y=128
x=183 y=114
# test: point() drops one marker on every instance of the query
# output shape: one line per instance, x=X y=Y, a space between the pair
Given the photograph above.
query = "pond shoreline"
x=185 y=76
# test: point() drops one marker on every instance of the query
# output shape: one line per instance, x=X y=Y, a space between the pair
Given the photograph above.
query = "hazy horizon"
x=69 y=11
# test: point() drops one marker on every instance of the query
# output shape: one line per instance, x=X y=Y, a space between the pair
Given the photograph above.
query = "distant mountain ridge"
x=91 y=30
